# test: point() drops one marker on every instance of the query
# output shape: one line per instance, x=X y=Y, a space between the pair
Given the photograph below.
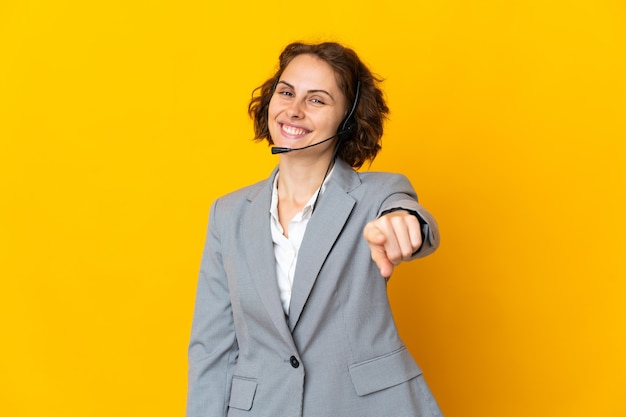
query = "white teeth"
x=293 y=130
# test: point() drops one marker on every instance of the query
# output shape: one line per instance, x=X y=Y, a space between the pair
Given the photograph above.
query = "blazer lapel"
x=331 y=213
x=259 y=252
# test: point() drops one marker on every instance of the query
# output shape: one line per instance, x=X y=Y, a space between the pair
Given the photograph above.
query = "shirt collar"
x=308 y=207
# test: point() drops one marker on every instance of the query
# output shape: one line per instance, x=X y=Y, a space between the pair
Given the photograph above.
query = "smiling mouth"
x=293 y=131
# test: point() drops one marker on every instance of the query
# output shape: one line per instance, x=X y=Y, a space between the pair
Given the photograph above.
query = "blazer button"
x=294 y=362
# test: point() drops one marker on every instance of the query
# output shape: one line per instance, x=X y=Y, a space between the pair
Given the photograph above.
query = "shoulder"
x=382 y=191
x=237 y=197
x=352 y=180
x=372 y=187
x=377 y=177
x=247 y=193
x=385 y=182
x=227 y=210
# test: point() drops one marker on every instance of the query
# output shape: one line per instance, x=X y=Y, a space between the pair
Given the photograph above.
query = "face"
x=307 y=106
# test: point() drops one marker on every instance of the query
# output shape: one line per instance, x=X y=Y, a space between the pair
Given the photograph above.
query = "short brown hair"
x=362 y=142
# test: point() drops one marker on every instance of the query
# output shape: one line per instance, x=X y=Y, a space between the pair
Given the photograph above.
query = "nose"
x=294 y=111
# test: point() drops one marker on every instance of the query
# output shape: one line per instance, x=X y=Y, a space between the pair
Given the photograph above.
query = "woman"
x=292 y=316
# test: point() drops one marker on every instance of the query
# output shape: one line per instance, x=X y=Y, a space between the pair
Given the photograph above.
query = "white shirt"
x=286 y=249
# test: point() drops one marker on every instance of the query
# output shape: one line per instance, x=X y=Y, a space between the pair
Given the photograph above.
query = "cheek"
x=333 y=121
x=273 y=109
x=272 y=113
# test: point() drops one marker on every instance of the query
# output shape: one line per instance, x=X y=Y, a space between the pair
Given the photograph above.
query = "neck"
x=298 y=182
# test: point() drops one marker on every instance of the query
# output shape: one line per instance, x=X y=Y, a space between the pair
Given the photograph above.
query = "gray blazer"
x=338 y=353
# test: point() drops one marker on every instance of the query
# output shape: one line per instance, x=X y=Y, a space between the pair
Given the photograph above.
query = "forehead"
x=311 y=70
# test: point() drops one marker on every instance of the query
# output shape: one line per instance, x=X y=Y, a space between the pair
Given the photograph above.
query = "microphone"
x=278 y=149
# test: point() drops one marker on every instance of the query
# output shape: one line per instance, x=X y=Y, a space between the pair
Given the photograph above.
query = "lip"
x=291 y=131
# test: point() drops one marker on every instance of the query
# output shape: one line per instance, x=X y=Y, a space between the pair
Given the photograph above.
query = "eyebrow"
x=309 y=91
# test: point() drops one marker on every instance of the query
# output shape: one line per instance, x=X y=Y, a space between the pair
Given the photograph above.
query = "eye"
x=286 y=93
x=317 y=101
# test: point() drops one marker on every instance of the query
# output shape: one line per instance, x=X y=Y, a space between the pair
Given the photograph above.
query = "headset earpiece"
x=348 y=122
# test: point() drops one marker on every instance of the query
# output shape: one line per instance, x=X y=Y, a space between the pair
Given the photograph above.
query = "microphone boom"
x=278 y=149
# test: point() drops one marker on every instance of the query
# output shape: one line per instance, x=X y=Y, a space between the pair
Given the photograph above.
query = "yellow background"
x=120 y=121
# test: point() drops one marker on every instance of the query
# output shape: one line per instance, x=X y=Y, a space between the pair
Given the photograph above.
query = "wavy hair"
x=362 y=142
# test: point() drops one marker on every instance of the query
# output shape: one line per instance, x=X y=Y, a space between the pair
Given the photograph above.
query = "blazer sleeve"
x=402 y=196
x=213 y=348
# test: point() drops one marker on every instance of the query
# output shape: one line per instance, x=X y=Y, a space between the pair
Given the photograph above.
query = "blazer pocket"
x=242 y=393
x=383 y=371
